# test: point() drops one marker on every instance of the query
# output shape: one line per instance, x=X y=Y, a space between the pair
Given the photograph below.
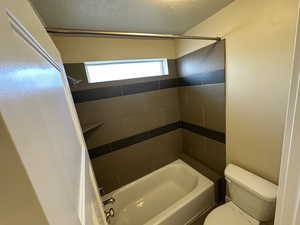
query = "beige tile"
x=204 y=105
x=193 y=144
x=163 y=116
x=165 y=98
x=124 y=165
x=128 y=164
x=135 y=124
x=161 y=107
x=92 y=111
x=128 y=115
x=133 y=104
x=142 y=158
x=213 y=98
x=165 y=148
x=105 y=173
x=141 y=122
x=207 y=151
x=108 y=111
x=183 y=96
x=215 y=155
x=109 y=132
x=191 y=105
x=136 y=113
x=133 y=162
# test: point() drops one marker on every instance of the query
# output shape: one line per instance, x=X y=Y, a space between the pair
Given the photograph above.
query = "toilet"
x=252 y=200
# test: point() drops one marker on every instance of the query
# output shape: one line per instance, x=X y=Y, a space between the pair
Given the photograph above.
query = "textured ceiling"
x=152 y=16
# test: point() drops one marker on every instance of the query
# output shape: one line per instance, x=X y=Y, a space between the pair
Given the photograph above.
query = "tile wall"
x=148 y=122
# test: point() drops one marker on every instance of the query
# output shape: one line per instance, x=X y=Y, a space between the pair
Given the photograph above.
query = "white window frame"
x=163 y=61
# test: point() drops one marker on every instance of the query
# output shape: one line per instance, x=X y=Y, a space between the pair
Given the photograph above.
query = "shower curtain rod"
x=127 y=34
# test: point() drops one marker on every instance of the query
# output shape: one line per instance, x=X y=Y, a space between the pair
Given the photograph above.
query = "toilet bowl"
x=252 y=200
x=229 y=214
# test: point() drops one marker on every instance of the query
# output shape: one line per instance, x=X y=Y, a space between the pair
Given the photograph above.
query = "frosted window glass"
x=127 y=69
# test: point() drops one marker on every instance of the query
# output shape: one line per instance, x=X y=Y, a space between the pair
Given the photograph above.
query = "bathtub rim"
x=177 y=161
x=200 y=188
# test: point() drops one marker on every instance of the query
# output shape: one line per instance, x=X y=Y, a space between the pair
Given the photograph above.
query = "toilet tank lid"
x=258 y=186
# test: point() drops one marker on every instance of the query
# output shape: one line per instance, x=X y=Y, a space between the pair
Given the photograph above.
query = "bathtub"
x=175 y=194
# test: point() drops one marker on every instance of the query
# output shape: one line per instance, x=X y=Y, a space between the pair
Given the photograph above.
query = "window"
x=125 y=69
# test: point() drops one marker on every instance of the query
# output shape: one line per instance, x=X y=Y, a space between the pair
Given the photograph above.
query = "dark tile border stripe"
x=215 y=135
x=140 y=87
x=125 y=142
x=214 y=77
x=96 y=93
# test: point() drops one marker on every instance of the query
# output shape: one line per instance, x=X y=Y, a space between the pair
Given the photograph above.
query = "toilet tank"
x=253 y=194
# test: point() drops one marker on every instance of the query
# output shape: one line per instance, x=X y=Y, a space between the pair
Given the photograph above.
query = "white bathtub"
x=175 y=194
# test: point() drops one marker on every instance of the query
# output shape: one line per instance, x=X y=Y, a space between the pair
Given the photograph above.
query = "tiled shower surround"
x=149 y=122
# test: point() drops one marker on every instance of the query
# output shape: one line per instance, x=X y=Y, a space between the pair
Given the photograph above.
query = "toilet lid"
x=228 y=214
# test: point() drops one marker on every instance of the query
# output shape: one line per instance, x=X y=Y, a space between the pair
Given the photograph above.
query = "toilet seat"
x=229 y=214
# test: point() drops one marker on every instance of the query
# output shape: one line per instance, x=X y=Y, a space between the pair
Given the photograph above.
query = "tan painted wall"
x=82 y=49
x=259 y=42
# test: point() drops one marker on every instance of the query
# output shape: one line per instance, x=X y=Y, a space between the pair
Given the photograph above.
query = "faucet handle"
x=108 y=214
x=111 y=212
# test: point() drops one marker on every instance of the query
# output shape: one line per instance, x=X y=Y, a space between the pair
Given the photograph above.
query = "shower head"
x=72 y=81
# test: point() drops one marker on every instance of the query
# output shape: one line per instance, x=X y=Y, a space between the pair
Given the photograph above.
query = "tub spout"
x=110 y=200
